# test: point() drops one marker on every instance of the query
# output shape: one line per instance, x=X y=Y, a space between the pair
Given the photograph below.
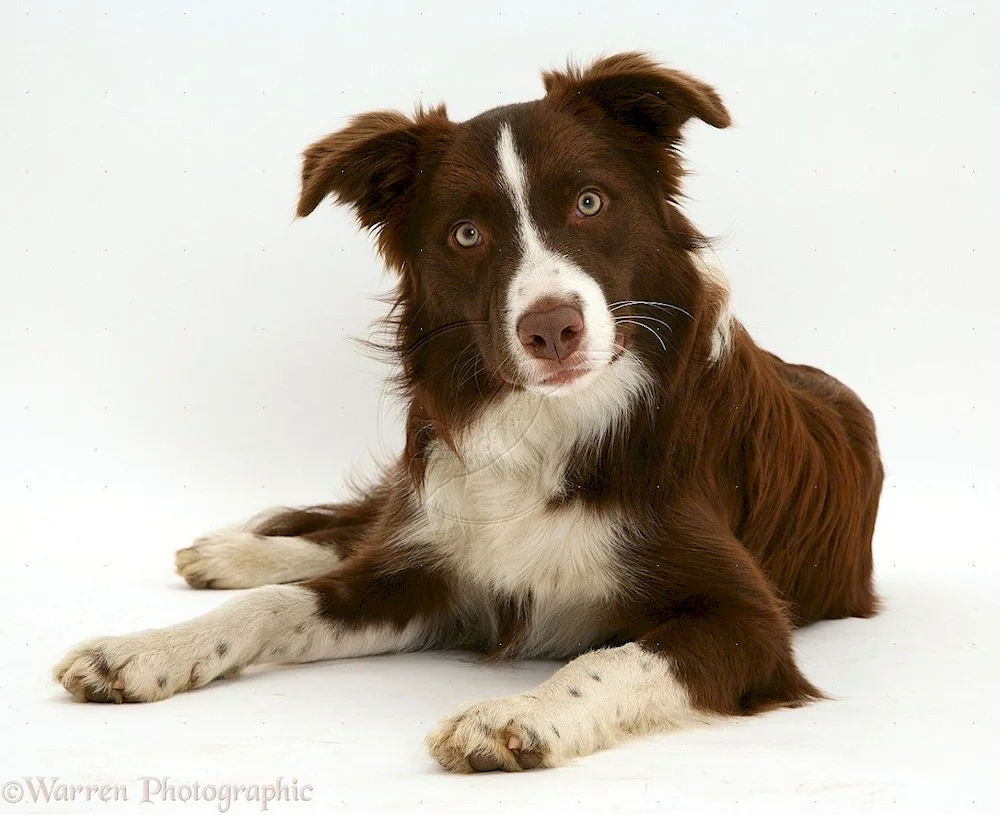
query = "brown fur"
x=751 y=485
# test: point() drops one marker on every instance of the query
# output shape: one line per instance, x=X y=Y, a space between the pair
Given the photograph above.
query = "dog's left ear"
x=638 y=93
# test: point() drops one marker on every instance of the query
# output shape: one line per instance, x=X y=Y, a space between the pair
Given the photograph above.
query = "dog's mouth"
x=569 y=375
x=569 y=378
x=567 y=381
x=566 y=377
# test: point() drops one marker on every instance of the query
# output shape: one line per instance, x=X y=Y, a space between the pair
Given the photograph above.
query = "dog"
x=600 y=465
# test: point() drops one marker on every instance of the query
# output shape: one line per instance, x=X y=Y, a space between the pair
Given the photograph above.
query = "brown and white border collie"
x=600 y=463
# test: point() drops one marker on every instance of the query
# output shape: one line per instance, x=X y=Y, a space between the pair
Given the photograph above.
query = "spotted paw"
x=133 y=668
x=507 y=734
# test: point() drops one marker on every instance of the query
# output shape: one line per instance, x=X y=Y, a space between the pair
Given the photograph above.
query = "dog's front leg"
x=588 y=705
x=357 y=611
x=710 y=639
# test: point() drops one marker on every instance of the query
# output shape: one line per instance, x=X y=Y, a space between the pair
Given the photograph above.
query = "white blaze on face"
x=542 y=273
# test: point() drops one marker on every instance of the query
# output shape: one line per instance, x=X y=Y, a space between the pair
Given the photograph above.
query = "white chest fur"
x=487 y=511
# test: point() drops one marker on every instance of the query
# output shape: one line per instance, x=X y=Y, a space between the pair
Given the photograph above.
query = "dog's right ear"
x=371 y=166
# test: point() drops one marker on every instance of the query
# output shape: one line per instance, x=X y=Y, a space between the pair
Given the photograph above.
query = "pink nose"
x=551 y=333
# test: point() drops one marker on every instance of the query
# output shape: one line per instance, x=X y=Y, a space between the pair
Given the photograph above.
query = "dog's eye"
x=467 y=235
x=589 y=203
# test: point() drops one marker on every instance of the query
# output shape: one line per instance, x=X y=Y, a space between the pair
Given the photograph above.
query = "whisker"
x=650 y=329
x=409 y=349
x=474 y=364
x=644 y=317
x=653 y=303
x=476 y=370
x=460 y=370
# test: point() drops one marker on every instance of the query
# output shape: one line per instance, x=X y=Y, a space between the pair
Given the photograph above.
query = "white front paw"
x=133 y=668
x=511 y=733
x=223 y=560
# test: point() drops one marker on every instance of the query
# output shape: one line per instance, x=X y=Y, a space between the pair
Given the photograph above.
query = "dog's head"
x=536 y=242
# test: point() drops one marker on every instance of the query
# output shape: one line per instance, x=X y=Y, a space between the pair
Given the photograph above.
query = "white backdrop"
x=175 y=354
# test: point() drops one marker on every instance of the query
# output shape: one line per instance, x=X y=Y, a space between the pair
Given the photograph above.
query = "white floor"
x=912 y=728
